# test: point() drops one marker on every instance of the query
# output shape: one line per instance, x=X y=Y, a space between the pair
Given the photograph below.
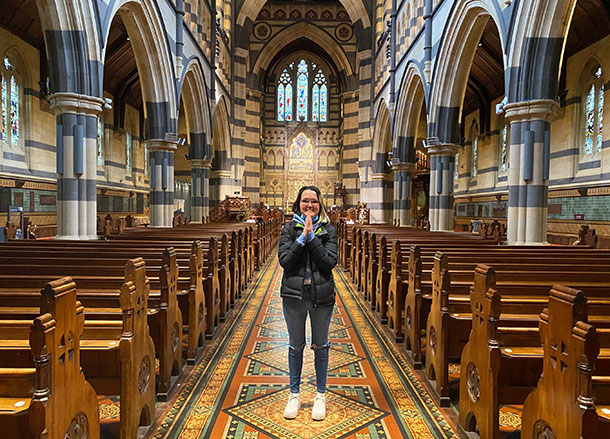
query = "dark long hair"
x=296 y=207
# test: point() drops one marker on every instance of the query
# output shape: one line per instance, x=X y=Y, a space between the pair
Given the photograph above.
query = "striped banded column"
x=200 y=201
x=528 y=173
x=402 y=193
x=442 y=168
x=76 y=164
x=161 y=182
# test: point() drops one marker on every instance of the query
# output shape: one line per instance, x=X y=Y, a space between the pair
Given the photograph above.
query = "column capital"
x=537 y=109
x=351 y=94
x=256 y=93
x=162 y=145
x=221 y=173
x=380 y=176
x=403 y=167
x=76 y=103
x=442 y=149
x=201 y=163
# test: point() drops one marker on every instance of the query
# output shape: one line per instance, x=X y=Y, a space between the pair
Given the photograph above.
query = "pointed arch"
x=221 y=136
x=453 y=65
x=72 y=43
x=197 y=103
x=302 y=30
x=355 y=9
x=154 y=62
x=411 y=100
x=382 y=137
x=546 y=25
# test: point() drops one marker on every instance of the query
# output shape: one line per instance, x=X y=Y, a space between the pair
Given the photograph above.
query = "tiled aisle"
x=240 y=389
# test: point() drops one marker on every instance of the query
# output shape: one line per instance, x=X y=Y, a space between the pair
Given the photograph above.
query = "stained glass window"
x=457 y=163
x=315 y=102
x=10 y=104
x=317 y=89
x=600 y=116
x=128 y=152
x=4 y=111
x=475 y=152
x=323 y=103
x=100 y=133
x=145 y=159
x=280 y=102
x=319 y=98
x=284 y=97
x=503 y=157
x=590 y=121
x=302 y=90
x=594 y=113
x=14 y=111
x=289 y=102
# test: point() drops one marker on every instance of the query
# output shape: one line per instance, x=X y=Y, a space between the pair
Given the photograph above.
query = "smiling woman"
x=308 y=254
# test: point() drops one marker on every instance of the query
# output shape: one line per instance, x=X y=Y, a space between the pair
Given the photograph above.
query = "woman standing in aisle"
x=308 y=254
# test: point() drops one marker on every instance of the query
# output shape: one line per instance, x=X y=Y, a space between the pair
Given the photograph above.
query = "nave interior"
x=434 y=334
x=150 y=151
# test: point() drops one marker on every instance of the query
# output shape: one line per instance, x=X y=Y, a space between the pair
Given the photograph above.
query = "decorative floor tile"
x=343 y=415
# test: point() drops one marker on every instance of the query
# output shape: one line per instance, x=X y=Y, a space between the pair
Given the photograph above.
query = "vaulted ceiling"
x=590 y=23
x=22 y=19
x=121 y=77
x=486 y=79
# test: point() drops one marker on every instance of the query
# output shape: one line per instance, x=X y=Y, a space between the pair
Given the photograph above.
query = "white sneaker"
x=318 y=412
x=292 y=407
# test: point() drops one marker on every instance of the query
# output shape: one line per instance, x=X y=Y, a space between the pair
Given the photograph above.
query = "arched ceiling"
x=298 y=31
x=355 y=8
x=590 y=23
x=22 y=19
x=121 y=78
x=486 y=79
x=303 y=44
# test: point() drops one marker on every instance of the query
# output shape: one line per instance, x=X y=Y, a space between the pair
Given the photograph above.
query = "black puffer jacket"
x=323 y=253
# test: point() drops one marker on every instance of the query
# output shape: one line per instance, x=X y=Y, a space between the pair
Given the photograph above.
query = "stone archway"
x=407 y=148
x=199 y=154
x=159 y=95
x=378 y=191
x=355 y=8
x=224 y=180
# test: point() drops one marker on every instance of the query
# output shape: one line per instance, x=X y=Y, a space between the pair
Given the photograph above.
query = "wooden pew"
x=199 y=281
x=46 y=394
x=117 y=357
x=418 y=298
x=572 y=397
x=501 y=364
x=525 y=292
x=99 y=290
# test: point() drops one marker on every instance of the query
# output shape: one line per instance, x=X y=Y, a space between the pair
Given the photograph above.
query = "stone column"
x=528 y=173
x=378 y=197
x=402 y=193
x=76 y=164
x=200 y=201
x=442 y=168
x=161 y=182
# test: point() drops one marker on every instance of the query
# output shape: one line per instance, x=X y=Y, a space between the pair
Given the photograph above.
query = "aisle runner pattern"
x=240 y=388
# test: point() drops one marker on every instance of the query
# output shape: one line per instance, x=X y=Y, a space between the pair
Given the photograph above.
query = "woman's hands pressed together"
x=308 y=223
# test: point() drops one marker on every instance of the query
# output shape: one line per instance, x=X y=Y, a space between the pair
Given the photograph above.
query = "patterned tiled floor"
x=239 y=390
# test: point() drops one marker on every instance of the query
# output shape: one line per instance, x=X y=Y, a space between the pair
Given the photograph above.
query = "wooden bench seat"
x=416 y=289
x=202 y=277
x=125 y=344
x=239 y=241
x=501 y=365
x=525 y=294
x=103 y=285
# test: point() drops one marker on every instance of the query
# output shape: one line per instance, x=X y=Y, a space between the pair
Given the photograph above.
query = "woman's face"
x=310 y=205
